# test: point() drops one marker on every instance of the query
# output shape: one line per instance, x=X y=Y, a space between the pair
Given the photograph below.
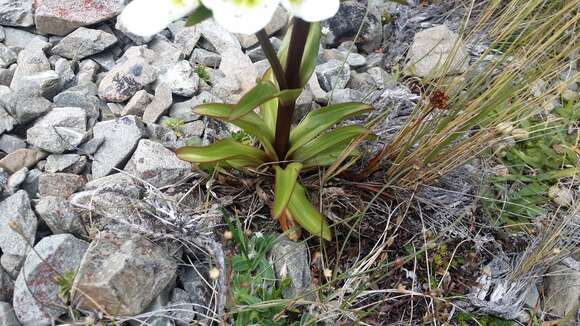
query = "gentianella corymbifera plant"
x=314 y=142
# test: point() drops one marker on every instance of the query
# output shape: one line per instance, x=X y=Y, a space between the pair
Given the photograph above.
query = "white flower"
x=242 y=16
x=259 y=234
x=149 y=17
x=312 y=10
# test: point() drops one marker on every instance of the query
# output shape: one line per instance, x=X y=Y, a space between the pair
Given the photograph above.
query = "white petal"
x=149 y=17
x=312 y=10
x=242 y=16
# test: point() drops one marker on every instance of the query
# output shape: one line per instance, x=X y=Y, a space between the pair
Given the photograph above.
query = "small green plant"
x=254 y=280
x=65 y=284
x=315 y=142
x=174 y=124
x=201 y=71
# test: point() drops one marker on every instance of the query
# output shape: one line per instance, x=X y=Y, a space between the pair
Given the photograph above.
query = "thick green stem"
x=292 y=75
x=272 y=57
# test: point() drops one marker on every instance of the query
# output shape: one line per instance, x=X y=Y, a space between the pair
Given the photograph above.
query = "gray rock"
x=7 y=121
x=382 y=78
x=192 y=129
x=12 y=264
x=164 y=135
x=181 y=304
x=33 y=66
x=186 y=39
x=563 y=290
x=6 y=286
x=238 y=66
x=60 y=184
x=65 y=72
x=362 y=82
x=60 y=216
x=184 y=110
x=181 y=78
x=87 y=72
x=2 y=34
x=16 y=13
x=120 y=183
x=61 y=162
x=7 y=315
x=333 y=75
x=347 y=21
x=7 y=56
x=278 y=21
x=205 y=57
x=6 y=75
x=126 y=78
x=159 y=105
x=24 y=106
x=166 y=54
x=137 y=104
x=120 y=140
x=21 y=158
x=60 y=17
x=30 y=184
x=122 y=274
x=157 y=165
x=11 y=143
x=36 y=291
x=84 y=42
x=345 y=95
x=375 y=60
x=3 y=181
x=430 y=50
x=15 y=180
x=219 y=38
x=353 y=59
x=291 y=261
x=48 y=83
x=318 y=93
x=84 y=97
x=62 y=129
x=16 y=211
x=195 y=285
x=19 y=38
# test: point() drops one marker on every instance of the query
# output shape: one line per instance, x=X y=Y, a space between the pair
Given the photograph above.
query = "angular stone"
x=7 y=121
x=194 y=128
x=278 y=21
x=236 y=65
x=382 y=78
x=7 y=315
x=84 y=42
x=6 y=286
x=16 y=212
x=345 y=95
x=218 y=37
x=60 y=184
x=157 y=165
x=160 y=104
x=122 y=274
x=120 y=138
x=164 y=135
x=65 y=71
x=7 y=56
x=333 y=75
x=12 y=264
x=126 y=78
x=19 y=38
x=6 y=75
x=60 y=17
x=36 y=291
x=137 y=104
x=347 y=22
x=60 y=216
x=291 y=261
x=24 y=106
x=353 y=59
x=181 y=79
x=166 y=53
x=32 y=61
x=184 y=110
x=362 y=82
x=16 y=13
x=84 y=97
x=21 y=158
x=47 y=83
x=117 y=183
x=15 y=180
x=430 y=50
x=562 y=290
x=61 y=162
x=205 y=57
x=62 y=129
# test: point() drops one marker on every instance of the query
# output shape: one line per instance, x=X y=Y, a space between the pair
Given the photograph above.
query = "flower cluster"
x=148 y=17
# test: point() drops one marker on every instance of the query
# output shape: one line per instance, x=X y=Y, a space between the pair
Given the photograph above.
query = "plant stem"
x=292 y=73
x=272 y=57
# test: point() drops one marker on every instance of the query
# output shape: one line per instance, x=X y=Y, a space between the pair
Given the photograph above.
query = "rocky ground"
x=89 y=119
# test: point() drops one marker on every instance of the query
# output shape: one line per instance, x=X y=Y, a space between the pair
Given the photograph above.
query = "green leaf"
x=319 y=120
x=250 y=123
x=269 y=110
x=305 y=214
x=223 y=150
x=338 y=139
x=285 y=182
x=200 y=14
x=263 y=92
x=310 y=53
